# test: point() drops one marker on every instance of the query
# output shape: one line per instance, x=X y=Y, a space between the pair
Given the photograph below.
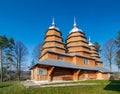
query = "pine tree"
x=97 y=47
x=5 y=44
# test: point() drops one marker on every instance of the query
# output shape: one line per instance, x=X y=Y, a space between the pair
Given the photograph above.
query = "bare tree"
x=32 y=63
x=109 y=52
x=36 y=53
x=20 y=56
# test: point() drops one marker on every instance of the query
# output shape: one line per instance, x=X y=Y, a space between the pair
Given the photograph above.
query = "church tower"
x=76 y=42
x=93 y=51
x=53 y=40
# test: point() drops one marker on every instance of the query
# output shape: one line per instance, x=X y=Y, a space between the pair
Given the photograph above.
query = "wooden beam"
x=50 y=70
x=76 y=74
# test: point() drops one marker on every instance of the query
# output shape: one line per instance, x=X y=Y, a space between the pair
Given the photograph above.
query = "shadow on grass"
x=114 y=85
x=2 y=86
x=5 y=84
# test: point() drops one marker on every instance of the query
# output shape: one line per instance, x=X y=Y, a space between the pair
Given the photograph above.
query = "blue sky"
x=28 y=20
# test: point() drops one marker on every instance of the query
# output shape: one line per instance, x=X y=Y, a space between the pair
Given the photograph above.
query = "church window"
x=60 y=57
x=35 y=71
x=96 y=63
x=42 y=71
x=86 y=61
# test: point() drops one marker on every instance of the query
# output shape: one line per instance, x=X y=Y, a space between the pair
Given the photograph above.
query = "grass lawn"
x=105 y=87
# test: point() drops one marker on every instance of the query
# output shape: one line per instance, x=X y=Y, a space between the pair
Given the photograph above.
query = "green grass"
x=88 y=81
x=104 y=88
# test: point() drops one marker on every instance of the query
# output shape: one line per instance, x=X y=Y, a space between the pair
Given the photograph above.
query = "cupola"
x=75 y=27
x=53 y=40
x=93 y=51
x=76 y=42
x=53 y=26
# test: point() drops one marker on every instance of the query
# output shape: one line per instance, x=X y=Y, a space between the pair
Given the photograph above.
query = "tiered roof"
x=93 y=51
x=76 y=41
x=53 y=39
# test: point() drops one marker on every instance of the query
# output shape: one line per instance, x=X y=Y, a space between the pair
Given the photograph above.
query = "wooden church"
x=74 y=59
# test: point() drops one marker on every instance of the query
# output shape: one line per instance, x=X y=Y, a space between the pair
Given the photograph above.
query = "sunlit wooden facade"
x=58 y=57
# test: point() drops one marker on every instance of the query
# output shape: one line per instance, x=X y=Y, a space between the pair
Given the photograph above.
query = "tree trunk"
x=1 y=65
x=17 y=69
x=118 y=68
x=110 y=66
x=10 y=67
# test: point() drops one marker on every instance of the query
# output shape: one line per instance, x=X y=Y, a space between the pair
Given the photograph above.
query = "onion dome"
x=75 y=27
x=53 y=26
x=89 y=42
x=76 y=42
x=53 y=40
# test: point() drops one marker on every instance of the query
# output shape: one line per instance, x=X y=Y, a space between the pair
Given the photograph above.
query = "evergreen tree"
x=97 y=47
x=5 y=45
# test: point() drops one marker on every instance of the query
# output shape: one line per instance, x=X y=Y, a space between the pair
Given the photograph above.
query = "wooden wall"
x=62 y=74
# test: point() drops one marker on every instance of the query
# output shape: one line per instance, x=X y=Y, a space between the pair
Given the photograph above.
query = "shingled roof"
x=64 y=64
